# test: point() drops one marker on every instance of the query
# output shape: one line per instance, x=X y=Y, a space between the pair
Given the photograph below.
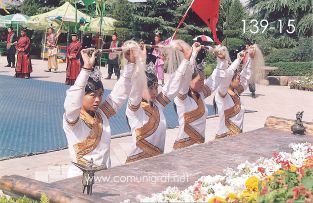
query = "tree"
x=34 y=7
x=298 y=10
x=236 y=15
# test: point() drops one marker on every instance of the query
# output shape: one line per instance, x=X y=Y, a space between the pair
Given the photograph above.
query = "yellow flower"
x=293 y=168
x=217 y=199
x=269 y=178
x=252 y=184
x=279 y=172
x=232 y=196
x=247 y=196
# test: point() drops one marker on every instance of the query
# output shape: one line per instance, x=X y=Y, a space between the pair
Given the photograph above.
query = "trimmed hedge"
x=281 y=55
x=292 y=68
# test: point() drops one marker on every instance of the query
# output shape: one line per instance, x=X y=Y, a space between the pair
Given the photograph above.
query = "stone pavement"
x=153 y=175
x=271 y=101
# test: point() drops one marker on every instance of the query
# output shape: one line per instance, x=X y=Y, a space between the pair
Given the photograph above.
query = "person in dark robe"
x=11 y=42
x=23 y=66
x=73 y=62
x=113 y=61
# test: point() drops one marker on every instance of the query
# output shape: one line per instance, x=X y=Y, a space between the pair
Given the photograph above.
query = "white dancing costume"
x=89 y=137
x=147 y=120
x=230 y=110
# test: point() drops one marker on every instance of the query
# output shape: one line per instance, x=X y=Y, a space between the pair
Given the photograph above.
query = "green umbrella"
x=44 y=20
x=94 y=25
x=13 y=19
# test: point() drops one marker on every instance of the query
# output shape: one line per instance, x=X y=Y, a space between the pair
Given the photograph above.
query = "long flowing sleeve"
x=135 y=95
x=172 y=87
x=120 y=92
x=225 y=82
x=74 y=97
x=183 y=90
x=214 y=80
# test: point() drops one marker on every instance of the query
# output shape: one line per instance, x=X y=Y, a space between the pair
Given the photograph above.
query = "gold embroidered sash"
x=231 y=112
x=189 y=117
x=145 y=131
x=91 y=142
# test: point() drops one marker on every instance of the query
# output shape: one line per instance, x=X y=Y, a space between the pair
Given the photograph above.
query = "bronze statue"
x=298 y=128
x=89 y=174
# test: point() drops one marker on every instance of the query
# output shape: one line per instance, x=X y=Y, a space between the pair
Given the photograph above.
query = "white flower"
x=233 y=181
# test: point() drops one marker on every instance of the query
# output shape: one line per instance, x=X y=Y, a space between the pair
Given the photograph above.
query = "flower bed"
x=304 y=84
x=286 y=177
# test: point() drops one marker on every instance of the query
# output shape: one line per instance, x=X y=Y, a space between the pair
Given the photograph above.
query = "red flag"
x=208 y=11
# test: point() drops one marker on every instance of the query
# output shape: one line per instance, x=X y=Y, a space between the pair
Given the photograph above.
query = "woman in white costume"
x=86 y=119
x=145 y=110
x=190 y=105
x=230 y=109
x=191 y=108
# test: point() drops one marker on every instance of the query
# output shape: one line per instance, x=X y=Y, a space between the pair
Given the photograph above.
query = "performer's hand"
x=89 y=57
x=186 y=51
x=130 y=56
x=240 y=55
x=197 y=47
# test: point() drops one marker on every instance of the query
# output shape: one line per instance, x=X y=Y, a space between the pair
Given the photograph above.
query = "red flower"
x=264 y=190
x=261 y=169
x=296 y=193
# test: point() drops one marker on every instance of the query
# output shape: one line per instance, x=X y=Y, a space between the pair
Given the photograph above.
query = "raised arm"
x=225 y=82
x=122 y=88
x=74 y=95
x=172 y=87
x=183 y=90
x=214 y=80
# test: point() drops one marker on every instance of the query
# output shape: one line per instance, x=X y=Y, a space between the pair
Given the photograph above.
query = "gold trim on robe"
x=181 y=96
x=107 y=109
x=189 y=117
x=133 y=107
x=71 y=123
x=162 y=99
x=229 y=113
x=240 y=89
x=206 y=91
x=91 y=142
x=145 y=131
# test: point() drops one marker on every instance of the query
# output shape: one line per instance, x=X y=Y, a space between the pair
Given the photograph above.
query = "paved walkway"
x=271 y=101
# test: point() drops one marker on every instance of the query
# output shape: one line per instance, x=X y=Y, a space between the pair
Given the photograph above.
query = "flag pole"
x=182 y=20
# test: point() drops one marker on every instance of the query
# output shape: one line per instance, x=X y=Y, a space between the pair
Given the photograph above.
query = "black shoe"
x=12 y=66
x=253 y=95
x=7 y=65
x=108 y=78
x=49 y=70
x=118 y=77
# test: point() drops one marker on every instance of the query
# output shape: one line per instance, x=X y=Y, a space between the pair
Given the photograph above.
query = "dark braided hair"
x=93 y=85
x=151 y=79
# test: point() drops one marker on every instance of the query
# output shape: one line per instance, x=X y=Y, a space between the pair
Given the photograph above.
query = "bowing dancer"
x=72 y=59
x=190 y=104
x=145 y=111
x=23 y=65
x=86 y=119
x=227 y=99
